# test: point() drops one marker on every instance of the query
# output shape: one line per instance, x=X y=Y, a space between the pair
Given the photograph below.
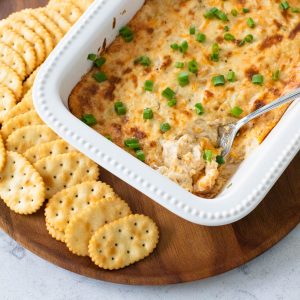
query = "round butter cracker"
x=56 y=234
x=7 y=101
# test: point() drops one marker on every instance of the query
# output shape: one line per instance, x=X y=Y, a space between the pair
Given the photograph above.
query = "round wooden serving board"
x=186 y=251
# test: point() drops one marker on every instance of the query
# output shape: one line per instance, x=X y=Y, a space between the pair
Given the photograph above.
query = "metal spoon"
x=227 y=133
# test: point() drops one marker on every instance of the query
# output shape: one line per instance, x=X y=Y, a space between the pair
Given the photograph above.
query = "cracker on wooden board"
x=7 y=101
x=68 y=10
x=56 y=234
x=84 y=224
x=21 y=187
x=29 y=136
x=20 y=45
x=13 y=59
x=68 y=202
x=2 y=154
x=61 y=22
x=28 y=83
x=29 y=35
x=10 y=78
x=65 y=170
x=27 y=19
x=56 y=33
x=53 y=148
x=82 y=4
x=26 y=119
x=123 y=242
x=23 y=106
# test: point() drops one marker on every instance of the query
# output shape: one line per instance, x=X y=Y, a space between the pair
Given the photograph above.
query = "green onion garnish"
x=226 y=28
x=276 y=75
x=234 y=12
x=221 y=15
x=199 y=109
x=140 y=155
x=168 y=93
x=164 y=127
x=200 y=37
x=192 y=30
x=100 y=76
x=210 y=14
x=179 y=65
x=258 y=79
x=236 y=111
x=92 y=57
x=148 y=114
x=89 y=119
x=249 y=38
x=193 y=66
x=184 y=47
x=132 y=143
x=207 y=155
x=215 y=52
x=284 y=5
x=183 y=78
x=100 y=61
x=126 y=33
x=220 y=160
x=218 y=80
x=246 y=10
x=229 y=37
x=148 y=85
x=295 y=10
x=172 y=102
x=174 y=46
x=231 y=76
x=120 y=109
x=143 y=60
x=251 y=23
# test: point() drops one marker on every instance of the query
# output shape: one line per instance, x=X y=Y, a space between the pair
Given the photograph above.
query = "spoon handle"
x=274 y=104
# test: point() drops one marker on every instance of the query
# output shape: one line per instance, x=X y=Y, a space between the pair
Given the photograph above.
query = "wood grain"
x=186 y=252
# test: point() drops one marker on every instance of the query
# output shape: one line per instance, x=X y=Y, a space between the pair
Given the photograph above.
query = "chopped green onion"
x=218 y=80
x=229 y=37
x=207 y=155
x=226 y=28
x=220 y=160
x=172 y=102
x=143 y=60
x=284 y=5
x=199 y=109
x=236 y=111
x=249 y=38
x=184 y=47
x=192 y=30
x=179 y=65
x=201 y=37
x=100 y=76
x=211 y=13
x=148 y=114
x=215 y=52
x=120 y=109
x=234 y=12
x=92 y=57
x=242 y=43
x=89 y=119
x=246 y=10
x=164 y=127
x=100 y=61
x=193 y=66
x=295 y=10
x=258 y=79
x=221 y=15
x=183 y=78
x=276 y=75
x=148 y=85
x=132 y=143
x=126 y=33
x=251 y=23
x=140 y=155
x=168 y=94
x=231 y=76
x=174 y=46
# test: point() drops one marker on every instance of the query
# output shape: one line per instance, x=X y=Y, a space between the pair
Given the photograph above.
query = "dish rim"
x=229 y=206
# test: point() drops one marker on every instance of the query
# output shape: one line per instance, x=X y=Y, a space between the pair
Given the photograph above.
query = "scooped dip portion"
x=179 y=70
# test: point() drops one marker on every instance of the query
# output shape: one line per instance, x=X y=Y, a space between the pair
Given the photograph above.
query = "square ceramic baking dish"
x=64 y=68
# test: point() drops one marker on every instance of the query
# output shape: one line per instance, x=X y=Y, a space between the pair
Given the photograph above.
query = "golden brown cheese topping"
x=182 y=68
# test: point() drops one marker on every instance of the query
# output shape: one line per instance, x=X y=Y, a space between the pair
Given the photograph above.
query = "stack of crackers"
x=36 y=165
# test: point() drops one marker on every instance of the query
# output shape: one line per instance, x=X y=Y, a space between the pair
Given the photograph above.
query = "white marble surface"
x=273 y=275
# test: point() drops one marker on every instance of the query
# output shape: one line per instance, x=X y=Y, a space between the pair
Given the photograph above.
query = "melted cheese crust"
x=178 y=153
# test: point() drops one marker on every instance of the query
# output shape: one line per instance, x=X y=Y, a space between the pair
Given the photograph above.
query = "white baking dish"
x=64 y=68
